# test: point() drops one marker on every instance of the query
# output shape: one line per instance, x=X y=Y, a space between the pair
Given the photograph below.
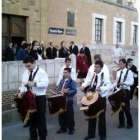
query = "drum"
x=56 y=104
x=25 y=105
x=92 y=105
x=117 y=100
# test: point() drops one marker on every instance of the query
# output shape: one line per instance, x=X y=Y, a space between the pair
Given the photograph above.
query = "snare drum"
x=26 y=105
x=92 y=107
x=56 y=104
x=117 y=100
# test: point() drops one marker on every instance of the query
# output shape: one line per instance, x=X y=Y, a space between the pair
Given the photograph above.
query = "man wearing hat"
x=90 y=73
x=100 y=83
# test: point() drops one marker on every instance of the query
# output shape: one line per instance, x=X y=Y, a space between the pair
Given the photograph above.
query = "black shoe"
x=71 y=132
x=89 y=137
x=61 y=131
x=26 y=125
x=102 y=138
x=129 y=126
x=33 y=139
x=121 y=126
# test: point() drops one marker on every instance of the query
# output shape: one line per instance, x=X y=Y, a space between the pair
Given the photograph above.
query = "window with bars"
x=98 y=29
x=119 y=1
x=135 y=34
x=118 y=32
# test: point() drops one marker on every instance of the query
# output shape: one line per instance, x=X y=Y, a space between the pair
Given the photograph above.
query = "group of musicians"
x=97 y=79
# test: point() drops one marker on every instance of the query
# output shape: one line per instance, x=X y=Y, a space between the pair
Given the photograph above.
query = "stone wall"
x=12 y=72
x=44 y=14
x=36 y=13
x=83 y=9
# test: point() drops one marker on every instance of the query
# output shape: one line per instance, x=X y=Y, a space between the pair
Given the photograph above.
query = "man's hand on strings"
x=121 y=84
x=65 y=91
x=30 y=83
x=19 y=94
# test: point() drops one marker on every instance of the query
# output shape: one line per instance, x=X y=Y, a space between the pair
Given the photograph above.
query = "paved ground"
x=17 y=132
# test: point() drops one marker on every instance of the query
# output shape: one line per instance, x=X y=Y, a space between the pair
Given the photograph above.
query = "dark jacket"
x=71 y=84
x=133 y=69
x=40 y=50
x=51 y=53
x=21 y=54
x=87 y=53
x=33 y=53
x=64 y=53
x=9 y=55
x=74 y=50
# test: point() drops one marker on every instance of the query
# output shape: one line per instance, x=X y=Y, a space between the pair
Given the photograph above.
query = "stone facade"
x=84 y=9
x=35 y=11
x=44 y=14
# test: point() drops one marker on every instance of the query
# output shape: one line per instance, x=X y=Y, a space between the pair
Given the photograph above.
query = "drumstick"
x=57 y=92
x=63 y=89
x=52 y=92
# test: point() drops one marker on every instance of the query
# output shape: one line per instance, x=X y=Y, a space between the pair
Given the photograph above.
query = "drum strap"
x=34 y=74
x=125 y=75
x=102 y=78
x=31 y=78
x=124 y=78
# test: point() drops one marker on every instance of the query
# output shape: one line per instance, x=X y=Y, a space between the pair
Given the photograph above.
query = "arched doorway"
x=13 y=30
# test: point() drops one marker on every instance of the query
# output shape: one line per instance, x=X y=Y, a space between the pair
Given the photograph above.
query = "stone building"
x=103 y=22
x=96 y=22
x=23 y=20
x=99 y=23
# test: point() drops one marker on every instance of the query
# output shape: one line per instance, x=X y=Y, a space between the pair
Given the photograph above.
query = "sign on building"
x=58 y=31
x=70 y=32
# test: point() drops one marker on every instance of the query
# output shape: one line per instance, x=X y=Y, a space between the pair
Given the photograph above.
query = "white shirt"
x=90 y=74
x=117 y=52
x=106 y=84
x=128 y=82
x=41 y=79
x=73 y=74
x=83 y=48
x=72 y=46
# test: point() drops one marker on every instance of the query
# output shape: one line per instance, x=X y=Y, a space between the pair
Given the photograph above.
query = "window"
x=70 y=19
x=118 y=32
x=98 y=29
x=135 y=34
x=119 y=1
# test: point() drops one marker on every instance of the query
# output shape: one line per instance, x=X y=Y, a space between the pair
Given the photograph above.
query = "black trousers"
x=126 y=110
x=133 y=87
x=66 y=119
x=101 y=123
x=38 y=119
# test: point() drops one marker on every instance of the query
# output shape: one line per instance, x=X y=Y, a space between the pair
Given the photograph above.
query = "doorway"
x=17 y=40
x=13 y=30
